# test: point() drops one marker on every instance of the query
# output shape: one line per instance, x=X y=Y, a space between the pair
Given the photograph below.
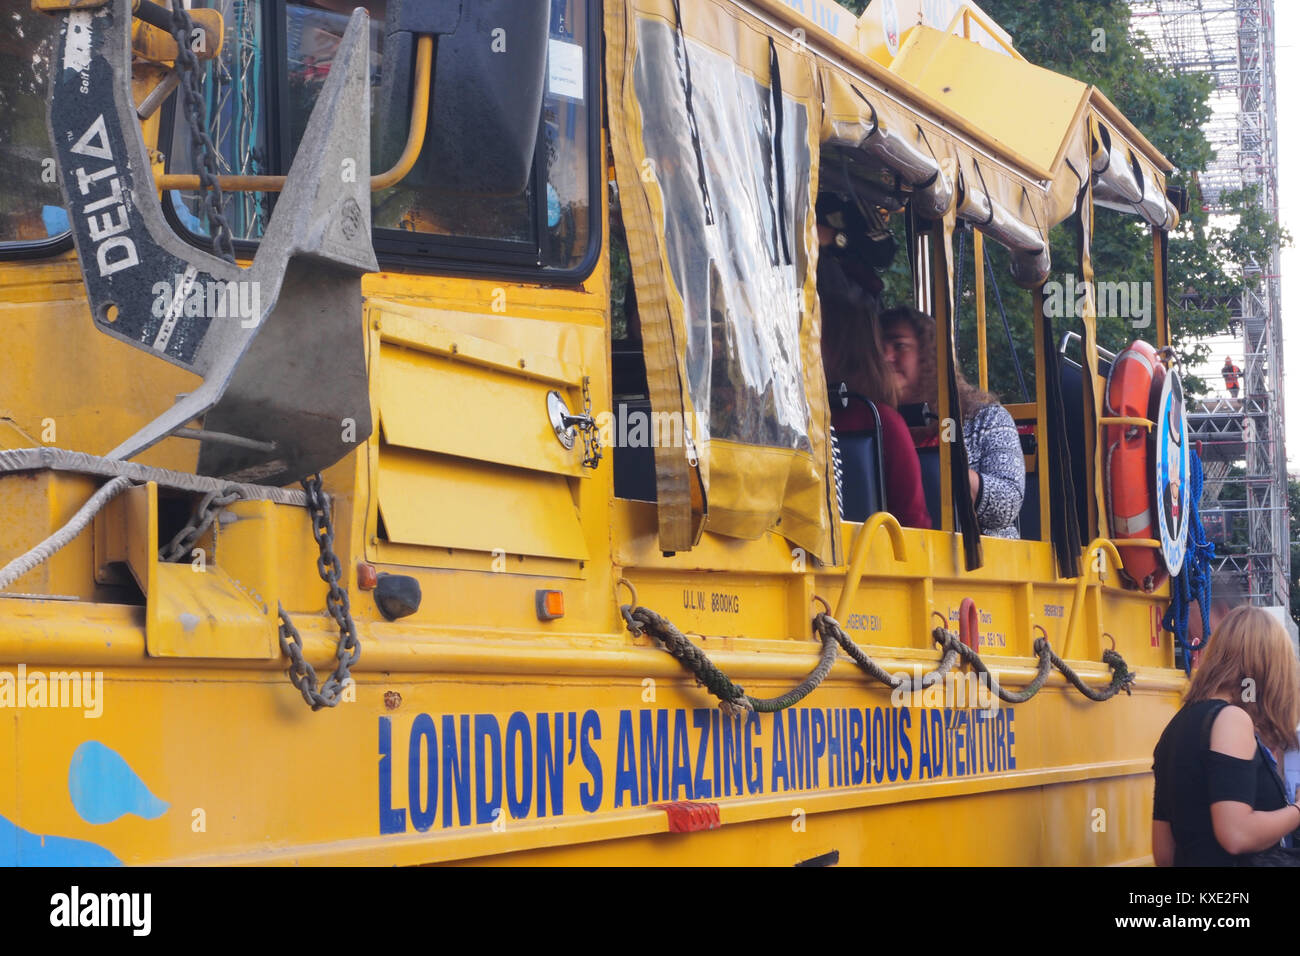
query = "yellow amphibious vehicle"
x=531 y=284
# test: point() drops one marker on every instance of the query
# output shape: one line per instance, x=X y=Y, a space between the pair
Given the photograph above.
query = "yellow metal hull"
x=475 y=732
x=560 y=747
x=249 y=775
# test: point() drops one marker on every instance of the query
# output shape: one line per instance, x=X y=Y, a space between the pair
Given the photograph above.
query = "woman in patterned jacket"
x=997 y=464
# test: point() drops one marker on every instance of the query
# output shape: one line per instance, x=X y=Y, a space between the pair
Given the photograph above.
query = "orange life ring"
x=1132 y=391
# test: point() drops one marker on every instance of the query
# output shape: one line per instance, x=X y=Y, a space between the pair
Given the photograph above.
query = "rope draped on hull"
x=733 y=698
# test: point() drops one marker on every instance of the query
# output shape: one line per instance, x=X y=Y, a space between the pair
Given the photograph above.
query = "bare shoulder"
x=1233 y=733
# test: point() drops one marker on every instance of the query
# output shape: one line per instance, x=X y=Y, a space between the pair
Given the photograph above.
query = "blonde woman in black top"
x=1219 y=795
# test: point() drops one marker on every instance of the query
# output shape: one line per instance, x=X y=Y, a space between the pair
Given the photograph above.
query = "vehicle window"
x=724 y=244
x=552 y=229
x=31 y=206
x=235 y=93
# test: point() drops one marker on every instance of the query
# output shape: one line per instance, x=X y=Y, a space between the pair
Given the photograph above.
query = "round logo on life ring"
x=1171 y=474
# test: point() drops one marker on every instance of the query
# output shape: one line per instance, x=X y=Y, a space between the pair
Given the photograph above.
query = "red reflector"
x=550 y=605
x=685 y=816
x=367 y=576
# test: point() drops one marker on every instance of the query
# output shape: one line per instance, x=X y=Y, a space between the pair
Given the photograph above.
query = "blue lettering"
x=550 y=765
x=455 y=769
x=878 y=744
x=949 y=738
x=733 y=757
x=959 y=757
x=486 y=728
x=590 y=796
x=891 y=743
x=1011 y=737
x=716 y=717
x=988 y=726
x=519 y=764
x=390 y=820
x=800 y=749
x=654 y=754
x=625 y=779
x=423 y=733
x=681 y=757
x=835 y=747
x=937 y=749
x=857 y=765
x=780 y=768
x=905 y=741
x=923 y=766
x=818 y=718
x=753 y=755
x=703 y=787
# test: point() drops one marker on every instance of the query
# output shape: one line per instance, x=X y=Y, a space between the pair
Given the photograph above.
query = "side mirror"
x=489 y=77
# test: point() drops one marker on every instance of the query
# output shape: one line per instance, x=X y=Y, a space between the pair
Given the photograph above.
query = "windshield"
x=257 y=128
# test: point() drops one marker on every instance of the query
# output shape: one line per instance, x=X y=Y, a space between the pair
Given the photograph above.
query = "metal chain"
x=181 y=546
x=591 y=451
x=301 y=674
x=203 y=155
x=203 y=152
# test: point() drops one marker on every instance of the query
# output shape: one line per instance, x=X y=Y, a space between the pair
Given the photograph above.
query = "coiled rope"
x=733 y=699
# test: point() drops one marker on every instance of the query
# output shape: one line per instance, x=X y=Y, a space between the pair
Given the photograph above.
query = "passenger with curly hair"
x=996 y=461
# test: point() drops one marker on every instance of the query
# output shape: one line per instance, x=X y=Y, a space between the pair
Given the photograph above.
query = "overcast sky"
x=1287 y=23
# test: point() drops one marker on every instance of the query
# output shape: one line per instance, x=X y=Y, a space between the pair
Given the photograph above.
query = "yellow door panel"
x=445 y=502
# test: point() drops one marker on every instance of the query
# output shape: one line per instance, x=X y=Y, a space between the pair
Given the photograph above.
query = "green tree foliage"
x=1171 y=108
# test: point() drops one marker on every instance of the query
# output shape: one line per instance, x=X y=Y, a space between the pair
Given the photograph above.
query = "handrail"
x=419 y=118
x=1069 y=337
x=858 y=555
x=405 y=163
x=1146 y=423
x=1081 y=584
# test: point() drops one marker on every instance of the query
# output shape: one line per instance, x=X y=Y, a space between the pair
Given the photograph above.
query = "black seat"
x=1030 y=519
x=1072 y=403
x=862 y=466
x=860 y=459
x=634 y=465
x=932 y=482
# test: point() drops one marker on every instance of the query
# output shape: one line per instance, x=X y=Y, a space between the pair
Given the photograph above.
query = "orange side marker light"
x=550 y=605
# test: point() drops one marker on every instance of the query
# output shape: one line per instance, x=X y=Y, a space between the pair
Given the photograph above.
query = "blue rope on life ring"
x=1193 y=582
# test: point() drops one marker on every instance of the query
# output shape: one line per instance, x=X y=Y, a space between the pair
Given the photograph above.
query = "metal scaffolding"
x=1243 y=439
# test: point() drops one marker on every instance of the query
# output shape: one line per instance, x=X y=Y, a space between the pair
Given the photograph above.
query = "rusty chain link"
x=301 y=674
x=203 y=152
x=203 y=155
x=591 y=451
x=182 y=544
